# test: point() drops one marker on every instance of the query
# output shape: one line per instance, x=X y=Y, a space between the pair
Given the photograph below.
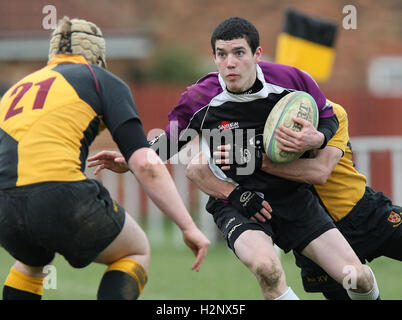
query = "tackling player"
x=367 y=219
x=48 y=119
x=234 y=103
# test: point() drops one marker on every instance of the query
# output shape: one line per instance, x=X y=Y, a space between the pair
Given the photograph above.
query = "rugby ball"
x=296 y=104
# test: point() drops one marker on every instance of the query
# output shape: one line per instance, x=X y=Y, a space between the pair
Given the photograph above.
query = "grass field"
x=222 y=277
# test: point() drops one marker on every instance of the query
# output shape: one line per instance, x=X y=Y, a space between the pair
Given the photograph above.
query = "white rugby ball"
x=296 y=104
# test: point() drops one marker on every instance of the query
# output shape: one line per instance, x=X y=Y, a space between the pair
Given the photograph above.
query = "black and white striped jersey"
x=209 y=109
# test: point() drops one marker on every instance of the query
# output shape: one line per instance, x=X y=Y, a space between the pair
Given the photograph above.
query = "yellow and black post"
x=307 y=43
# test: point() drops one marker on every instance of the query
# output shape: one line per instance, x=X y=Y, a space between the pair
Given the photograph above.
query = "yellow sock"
x=22 y=282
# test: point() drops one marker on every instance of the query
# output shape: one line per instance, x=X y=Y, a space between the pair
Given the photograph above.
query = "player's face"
x=236 y=63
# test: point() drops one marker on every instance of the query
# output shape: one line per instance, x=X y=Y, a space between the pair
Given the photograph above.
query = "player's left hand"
x=250 y=204
x=306 y=139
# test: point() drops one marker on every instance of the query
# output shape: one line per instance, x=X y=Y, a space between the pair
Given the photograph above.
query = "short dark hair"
x=236 y=28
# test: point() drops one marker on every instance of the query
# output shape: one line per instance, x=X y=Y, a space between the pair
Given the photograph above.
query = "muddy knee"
x=269 y=274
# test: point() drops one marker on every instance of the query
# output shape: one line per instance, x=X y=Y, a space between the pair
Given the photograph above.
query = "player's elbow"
x=317 y=180
x=148 y=170
x=145 y=163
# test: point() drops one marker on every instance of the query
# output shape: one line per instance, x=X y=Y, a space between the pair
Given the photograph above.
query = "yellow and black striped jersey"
x=345 y=185
x=49 y=119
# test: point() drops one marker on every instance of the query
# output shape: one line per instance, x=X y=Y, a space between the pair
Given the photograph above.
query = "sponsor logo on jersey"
x=226 y=125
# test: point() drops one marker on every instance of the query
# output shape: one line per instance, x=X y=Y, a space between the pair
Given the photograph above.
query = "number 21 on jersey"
x=20 y=90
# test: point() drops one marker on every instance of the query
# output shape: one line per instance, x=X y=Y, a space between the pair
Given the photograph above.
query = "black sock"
x=19 y=286
x=123 y=280
x=10 y=293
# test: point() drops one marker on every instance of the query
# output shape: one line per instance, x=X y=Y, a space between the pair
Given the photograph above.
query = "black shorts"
x=75 y=219
x=373 y=228
x=297 y=219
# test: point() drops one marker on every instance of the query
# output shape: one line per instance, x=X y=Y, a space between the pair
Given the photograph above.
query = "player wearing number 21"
x=47 y=204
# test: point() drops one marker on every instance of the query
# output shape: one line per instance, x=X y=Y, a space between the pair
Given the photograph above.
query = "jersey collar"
x=67 y=58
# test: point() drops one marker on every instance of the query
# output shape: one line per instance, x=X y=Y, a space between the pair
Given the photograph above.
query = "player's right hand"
x=250 y=204
x=198 y=243
x=111 y=160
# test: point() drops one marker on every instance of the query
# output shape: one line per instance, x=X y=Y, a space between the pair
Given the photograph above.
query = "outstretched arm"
x=153 y=176
x=156 y=181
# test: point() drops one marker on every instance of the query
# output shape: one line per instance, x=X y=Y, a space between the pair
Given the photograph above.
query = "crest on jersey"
x=395 y=218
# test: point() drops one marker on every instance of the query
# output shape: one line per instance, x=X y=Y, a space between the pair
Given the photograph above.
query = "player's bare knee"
x=142 y=256
x=146 y=257
x=268 y=273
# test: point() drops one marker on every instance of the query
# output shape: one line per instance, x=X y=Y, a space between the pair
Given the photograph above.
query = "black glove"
x=247 y=202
